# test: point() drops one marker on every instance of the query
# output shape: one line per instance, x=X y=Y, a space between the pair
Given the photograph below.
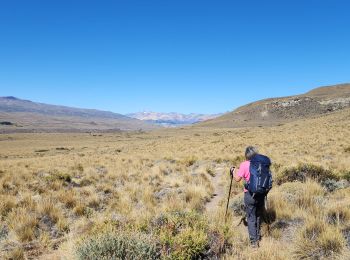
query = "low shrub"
x=332 y=185
x=186 y=235
x=118 y=246
x=345 y=175
x=269 y=213
x=189 y=244
x=3 y=232
x=237 y=206
x=303 y=172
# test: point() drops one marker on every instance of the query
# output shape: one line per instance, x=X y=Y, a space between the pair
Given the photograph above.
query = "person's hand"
x=232 y=171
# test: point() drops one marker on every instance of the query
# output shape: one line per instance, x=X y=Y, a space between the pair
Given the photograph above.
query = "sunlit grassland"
x=57 y=189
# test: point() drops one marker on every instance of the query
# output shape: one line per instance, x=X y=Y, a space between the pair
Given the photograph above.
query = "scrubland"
x=144 y=195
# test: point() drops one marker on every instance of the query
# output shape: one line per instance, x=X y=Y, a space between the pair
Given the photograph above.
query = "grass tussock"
x=317 y=240
x=24 y=224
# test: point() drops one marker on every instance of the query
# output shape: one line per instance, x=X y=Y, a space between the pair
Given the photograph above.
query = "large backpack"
x=260 y=181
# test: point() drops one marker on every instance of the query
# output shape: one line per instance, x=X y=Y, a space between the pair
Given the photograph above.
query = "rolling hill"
x=17 y=115
x=275 y=111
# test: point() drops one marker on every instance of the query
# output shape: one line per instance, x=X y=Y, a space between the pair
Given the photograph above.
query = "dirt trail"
x=219 y=189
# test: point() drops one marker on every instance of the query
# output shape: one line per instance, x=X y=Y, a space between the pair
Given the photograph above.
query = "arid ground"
x=163 y=193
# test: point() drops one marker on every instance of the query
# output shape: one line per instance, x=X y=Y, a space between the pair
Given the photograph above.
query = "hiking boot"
x=254 y=244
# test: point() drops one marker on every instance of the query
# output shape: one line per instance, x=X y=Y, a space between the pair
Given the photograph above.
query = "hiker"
x=257 y=182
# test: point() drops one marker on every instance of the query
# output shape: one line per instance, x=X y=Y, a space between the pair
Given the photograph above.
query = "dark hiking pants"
x=254 y=207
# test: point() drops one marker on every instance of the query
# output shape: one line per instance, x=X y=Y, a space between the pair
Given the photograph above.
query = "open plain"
x=65 y=194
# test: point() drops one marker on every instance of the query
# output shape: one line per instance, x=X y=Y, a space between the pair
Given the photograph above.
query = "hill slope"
x=273 y=111
x=17 y=115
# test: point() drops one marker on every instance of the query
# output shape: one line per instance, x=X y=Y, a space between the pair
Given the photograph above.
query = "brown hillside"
x=274 y=111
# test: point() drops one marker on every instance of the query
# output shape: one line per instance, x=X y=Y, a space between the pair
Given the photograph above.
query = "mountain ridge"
x=29 y=116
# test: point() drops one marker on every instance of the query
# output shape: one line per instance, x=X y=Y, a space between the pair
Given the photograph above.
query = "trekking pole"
x=229 y=193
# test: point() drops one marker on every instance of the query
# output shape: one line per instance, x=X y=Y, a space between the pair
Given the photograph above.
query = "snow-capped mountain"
x=171 y=119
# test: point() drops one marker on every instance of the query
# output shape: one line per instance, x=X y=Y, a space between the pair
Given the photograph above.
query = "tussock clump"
x=189 y=161
x=7 y=203
x=47 y=208
x=303 y=172
x=288 y=197
x=338 y=214
x=118 y=246
x=16 y=253
x=24 y=224
x=57 y=175
x=318 y=240
x=237 y=160
x=68 y=198
x=210 y=171
x=80 y=209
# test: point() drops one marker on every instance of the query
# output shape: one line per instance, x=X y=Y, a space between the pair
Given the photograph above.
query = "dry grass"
x=124 y=181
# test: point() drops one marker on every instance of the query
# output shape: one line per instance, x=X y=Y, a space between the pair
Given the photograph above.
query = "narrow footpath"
x=219 y=190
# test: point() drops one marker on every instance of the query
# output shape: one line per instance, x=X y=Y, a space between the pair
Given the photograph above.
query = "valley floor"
x=63 y=195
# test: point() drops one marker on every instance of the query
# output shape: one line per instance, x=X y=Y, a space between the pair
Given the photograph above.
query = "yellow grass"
x=125 y=180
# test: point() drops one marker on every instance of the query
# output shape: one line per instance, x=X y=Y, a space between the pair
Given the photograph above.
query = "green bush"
x=184 y=235
x=332 y=185
x=118 y=246
x=345 y=175
x=189 y=244
x=305 y=171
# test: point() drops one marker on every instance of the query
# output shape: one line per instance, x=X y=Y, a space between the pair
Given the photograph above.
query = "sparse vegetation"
x=129 y=188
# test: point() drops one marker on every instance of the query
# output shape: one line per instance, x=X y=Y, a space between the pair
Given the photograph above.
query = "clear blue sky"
x=182 y=56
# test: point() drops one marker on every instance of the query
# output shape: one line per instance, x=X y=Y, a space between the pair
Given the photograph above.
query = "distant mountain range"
x=274 y=111
x=171 y=119
x=18 y=115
